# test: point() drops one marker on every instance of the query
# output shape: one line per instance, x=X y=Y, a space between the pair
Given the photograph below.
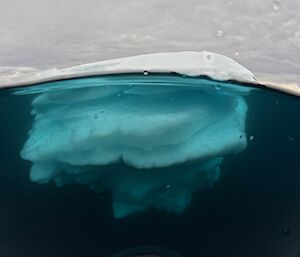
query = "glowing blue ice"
x=152 y=145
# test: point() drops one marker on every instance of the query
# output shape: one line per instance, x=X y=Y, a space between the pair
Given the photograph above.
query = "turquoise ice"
x=151 y=128
x=152 y=140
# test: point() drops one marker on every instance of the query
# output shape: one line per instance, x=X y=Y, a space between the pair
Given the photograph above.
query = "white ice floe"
x=190 y=63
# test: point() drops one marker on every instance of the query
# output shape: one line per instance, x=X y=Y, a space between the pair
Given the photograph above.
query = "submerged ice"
x=151 y=143
x=151 y=146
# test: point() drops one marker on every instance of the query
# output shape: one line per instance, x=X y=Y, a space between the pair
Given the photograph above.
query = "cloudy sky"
x=263 y=35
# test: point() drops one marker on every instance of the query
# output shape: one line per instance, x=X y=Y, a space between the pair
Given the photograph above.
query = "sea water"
x=238 y=198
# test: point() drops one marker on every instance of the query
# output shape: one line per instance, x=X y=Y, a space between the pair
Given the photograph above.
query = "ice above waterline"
x=151 y=144
x=188 y=63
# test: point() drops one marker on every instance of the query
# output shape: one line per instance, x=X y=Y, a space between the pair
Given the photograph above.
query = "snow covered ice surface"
x=188 y=63
x=152 y=139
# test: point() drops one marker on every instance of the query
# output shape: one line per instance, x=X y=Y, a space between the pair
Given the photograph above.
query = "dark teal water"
x=252 y=210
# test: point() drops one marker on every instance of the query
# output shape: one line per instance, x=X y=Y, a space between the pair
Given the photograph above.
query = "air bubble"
x=251 y=138
x=285 y=231
x=208 y=57
x=276 y=5
x=168 y=186
x=236 y=53
x=217 y=87
x=220 y=33
x=146 y=73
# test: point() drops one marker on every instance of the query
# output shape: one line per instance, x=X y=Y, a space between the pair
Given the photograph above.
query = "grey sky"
x=263 y=35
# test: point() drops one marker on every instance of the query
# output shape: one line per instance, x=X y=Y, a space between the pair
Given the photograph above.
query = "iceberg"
x=150 y=136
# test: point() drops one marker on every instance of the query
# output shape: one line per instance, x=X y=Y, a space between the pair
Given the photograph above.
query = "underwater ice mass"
x=151 y=143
